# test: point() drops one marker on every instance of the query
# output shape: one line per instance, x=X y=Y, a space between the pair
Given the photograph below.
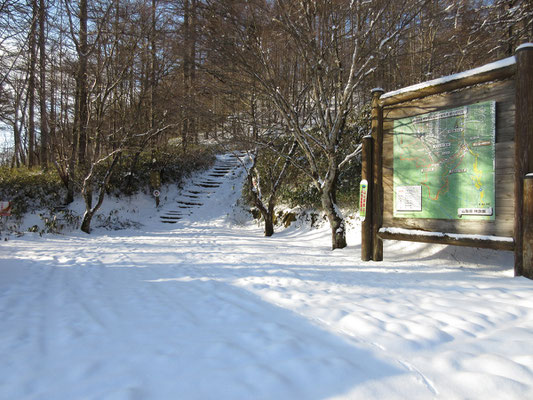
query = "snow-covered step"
x=190 y=203
x=165 y=218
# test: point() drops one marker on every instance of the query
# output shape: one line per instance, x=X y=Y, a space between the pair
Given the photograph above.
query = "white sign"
x=408 y=198
x=156 y=193
x=474 y=211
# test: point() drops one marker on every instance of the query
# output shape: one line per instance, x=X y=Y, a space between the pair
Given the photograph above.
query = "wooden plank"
x=505 y=173
x=505 y=147
x=500 y=227
x=504 y=185
x=504 y=208
x=505 y=162
x=449 y=239
x=505 y=176
x=500 y=92
x=504 y=123
x=503 y=215
x=494 y=75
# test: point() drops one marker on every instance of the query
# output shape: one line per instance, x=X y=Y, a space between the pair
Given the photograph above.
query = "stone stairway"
x=191 y=198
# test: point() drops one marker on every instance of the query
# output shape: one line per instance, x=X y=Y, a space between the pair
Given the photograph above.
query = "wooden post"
x=366 y=225
x=527 y=253
x=377 y=172
x=523 y=142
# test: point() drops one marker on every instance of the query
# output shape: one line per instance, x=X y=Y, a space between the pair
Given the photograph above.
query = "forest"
x=95 y=95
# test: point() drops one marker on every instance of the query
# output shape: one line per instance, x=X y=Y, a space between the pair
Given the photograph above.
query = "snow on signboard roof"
x=445 y=79
x=524 y=46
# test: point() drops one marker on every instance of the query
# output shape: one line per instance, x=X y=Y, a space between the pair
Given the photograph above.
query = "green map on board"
x=444 y=164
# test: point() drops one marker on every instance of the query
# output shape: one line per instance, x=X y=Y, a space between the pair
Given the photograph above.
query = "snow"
x=450 y=78
x=442 y=234
x=524 y=46
x=208 y=308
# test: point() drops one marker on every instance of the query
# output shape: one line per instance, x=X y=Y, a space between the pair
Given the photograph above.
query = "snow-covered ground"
x=207 y=308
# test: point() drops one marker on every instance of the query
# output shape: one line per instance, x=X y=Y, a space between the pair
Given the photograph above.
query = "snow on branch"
x=353 y=154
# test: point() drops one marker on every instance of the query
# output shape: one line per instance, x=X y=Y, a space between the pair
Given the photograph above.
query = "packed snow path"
x=208 y=308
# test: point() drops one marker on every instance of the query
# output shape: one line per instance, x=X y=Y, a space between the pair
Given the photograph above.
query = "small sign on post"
x=5 y=208
x=155 y=183
x=156 y=194
x=363 y=194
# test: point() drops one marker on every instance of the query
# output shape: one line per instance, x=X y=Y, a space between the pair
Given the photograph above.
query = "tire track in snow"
x=423 y=378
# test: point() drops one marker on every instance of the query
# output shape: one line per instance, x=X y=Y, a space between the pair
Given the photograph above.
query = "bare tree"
x=330 y=48
x=31 y=84
x=264 y=180
x=42 y=85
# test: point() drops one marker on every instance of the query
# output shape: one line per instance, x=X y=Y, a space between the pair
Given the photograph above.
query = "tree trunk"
x=86 y=223
x=82 y=83
x=87 y=192
x=153 y=65
x=189 y=129
x=31 y=86
x=269 y=223
x=52 y=117
x=70 y=185
x=71 y=168
x=18 y=156
x=266 y=212
x=186 y=74
x=336 y=222
x=329 y=204
x=42 y=76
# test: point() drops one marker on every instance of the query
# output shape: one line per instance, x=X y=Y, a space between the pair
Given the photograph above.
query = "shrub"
x=30 y=189
x=133 y=172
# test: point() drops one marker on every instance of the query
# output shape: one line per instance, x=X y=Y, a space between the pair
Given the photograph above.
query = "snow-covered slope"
x=205 y=308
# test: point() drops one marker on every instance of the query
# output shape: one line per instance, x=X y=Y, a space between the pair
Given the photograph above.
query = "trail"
x=203 y=189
